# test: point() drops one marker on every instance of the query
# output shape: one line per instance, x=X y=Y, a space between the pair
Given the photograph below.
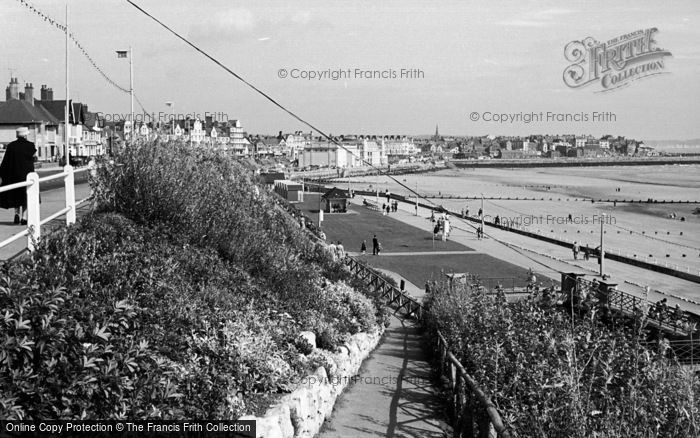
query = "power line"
x=62 y=28
x=271 y=99
x=380 y=171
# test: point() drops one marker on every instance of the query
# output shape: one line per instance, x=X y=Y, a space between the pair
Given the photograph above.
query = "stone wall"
x=302 y=413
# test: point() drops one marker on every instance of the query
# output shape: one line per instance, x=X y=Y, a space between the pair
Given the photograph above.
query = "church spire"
x=437 y=134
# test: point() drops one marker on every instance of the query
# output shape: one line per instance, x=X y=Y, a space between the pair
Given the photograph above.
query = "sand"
x=639 y=230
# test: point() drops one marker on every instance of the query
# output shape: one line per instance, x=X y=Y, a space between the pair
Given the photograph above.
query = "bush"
x=181 y=297
x=552 y=378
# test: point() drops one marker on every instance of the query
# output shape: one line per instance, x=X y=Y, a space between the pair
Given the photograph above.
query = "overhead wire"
x=63 y=28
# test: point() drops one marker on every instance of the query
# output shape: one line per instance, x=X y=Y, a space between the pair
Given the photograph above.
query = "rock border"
x=302 y=412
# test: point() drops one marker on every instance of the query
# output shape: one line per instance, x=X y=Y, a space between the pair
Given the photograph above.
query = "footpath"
x=394 y=394
x=52 y=201
x=548 y=260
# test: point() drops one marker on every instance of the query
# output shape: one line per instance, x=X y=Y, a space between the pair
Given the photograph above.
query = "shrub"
x=550 y=377
x=181 y=297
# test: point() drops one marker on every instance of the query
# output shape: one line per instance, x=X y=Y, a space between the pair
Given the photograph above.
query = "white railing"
x=34 y=220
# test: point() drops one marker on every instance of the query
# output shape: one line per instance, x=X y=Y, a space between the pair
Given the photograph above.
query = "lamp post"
x=67 y=128
x=416 y=198
x=172 y=117
x=131 y=88
x=482 y=215
x=602 y=251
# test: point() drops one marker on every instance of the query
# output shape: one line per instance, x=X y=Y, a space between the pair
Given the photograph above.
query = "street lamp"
x=172 y=116
x=602 y=251
x=482 y=215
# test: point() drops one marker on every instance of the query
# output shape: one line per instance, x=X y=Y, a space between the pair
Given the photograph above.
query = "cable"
x=269 y=98
x=62 y=28
x=298 y=118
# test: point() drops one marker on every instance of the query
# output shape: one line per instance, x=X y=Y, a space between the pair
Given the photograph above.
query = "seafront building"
x=45 y=118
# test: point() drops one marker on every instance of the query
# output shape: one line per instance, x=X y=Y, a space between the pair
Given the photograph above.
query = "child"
x=363 y=248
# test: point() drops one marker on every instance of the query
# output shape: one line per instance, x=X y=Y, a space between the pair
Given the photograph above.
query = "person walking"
x=375 y=245
x=341 y=250
x=363 y=247
x=576 y=250
x=17 y=163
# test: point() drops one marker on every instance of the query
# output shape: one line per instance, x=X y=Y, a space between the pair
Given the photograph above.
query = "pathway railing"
x=633 y=307
x=34 y=221
x=470 y=405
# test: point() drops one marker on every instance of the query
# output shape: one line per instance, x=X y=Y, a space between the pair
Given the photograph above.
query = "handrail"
x=34 y=221
x=461 y=382
x=624 y=303
x=18 y=185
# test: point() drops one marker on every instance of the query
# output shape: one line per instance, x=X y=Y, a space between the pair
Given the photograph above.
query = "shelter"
x=335 y=201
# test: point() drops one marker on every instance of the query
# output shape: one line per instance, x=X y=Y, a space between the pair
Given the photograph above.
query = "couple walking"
x=376 y=246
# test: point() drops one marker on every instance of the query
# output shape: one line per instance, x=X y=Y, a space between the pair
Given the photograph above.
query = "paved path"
x=394 y=395
x=549 y=260
x=51 y=202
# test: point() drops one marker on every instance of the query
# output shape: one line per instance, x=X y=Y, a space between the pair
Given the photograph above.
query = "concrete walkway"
x=394 y=395
x=548 y=260
x=51 y=202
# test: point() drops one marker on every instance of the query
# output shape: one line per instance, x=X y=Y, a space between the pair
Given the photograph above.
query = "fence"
x=470 y=405
x=34 y=220
x=630 y=306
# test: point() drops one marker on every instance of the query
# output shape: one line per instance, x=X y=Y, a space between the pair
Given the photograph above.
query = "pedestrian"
x=576 y=250
x=363 y=247
x=383 y=209
x=333 y=250
x=466 y=212
x=341 y=250
x=497 y=220
x=586 y=253
x=375 y=245
x=481 y=211
x=17 y=163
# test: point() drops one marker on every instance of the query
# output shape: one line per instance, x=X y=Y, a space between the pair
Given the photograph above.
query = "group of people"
x=390 y=207
x=337 y=250
x=376 y=246
x=442 y=226
x=586 y=251
x=663 y=313
x=17 y=163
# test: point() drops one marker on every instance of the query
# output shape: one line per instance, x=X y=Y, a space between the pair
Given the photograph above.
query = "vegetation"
x=550 y=377
x=181 y=296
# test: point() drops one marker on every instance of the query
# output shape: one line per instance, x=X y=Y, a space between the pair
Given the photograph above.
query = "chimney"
x=12 y=91
x=29 y=93
x=49 y=94
x=43 y=92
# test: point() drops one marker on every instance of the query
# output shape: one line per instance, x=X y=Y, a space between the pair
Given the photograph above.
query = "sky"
x=479 y=57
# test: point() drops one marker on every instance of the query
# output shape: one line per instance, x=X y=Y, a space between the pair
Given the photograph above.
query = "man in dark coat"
x=16 y=164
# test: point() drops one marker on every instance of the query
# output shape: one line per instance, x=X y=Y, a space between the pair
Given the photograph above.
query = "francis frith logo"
x=616 y=63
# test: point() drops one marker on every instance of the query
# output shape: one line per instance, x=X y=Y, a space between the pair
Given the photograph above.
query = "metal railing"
x=629 y=306
x=34 y=221
x=470 y=405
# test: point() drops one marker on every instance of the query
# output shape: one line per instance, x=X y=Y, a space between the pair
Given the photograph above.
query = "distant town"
x=91 y=134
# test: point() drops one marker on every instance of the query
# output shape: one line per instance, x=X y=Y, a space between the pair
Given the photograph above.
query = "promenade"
x=52 y=200
x=548 y=260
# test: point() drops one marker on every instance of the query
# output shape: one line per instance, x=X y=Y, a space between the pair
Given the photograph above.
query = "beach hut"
x=292 y=191
x=335 y=200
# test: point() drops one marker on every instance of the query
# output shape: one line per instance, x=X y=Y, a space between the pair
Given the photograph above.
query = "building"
x=20 y=109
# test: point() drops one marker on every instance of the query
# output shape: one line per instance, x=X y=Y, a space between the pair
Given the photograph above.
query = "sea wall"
x=302 y=412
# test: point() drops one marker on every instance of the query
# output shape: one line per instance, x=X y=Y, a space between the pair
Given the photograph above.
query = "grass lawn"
x=419 y=268
x=361 y=223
